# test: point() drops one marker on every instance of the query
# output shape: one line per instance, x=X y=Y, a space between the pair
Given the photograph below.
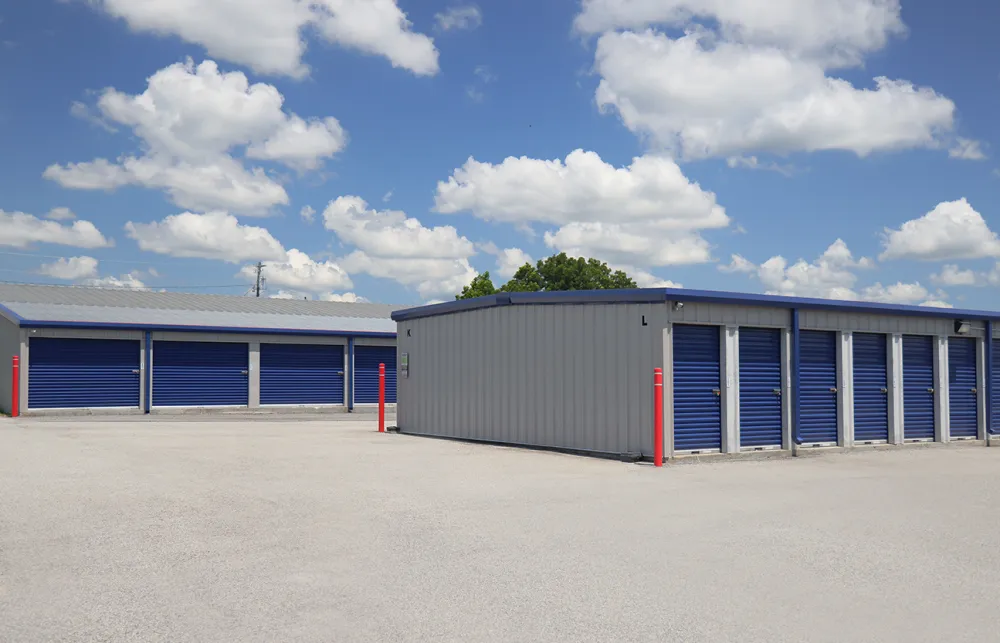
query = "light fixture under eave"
x=962 y=327
x=678 y=305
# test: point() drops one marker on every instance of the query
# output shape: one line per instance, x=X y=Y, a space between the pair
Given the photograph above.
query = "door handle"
x=885 y=390
x=717 y=391
x=135 y=371
x=930 y=390
x=776 y=391
x=973 y=390
x=245 y=372
x=340 y=372
x=833 y=389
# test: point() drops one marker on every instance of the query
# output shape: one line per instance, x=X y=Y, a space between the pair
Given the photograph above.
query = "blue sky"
x=431 y=140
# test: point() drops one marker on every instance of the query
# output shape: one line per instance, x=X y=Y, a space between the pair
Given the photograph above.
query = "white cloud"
x=71 y=268
x=387 y=197
x=646 y=214
x=967 y=149
x=897 y=293
x=84 y=112
x=269 y=36
x=831 y=276
x=60 y=214
x=700 y=97
x=429 y=276
x=390 y=233
x=391 y=245
x=645 y=279
x=952 y=275
x=459 y=17
x=131 y=281
x=952 y=230
x=347 y=297
x=836 y=31
x=308 y=214
x=300 y=272
x=19 y=229
x=753 y=163
x=508 y=259
x=215 y=235
x=190 y=120
x=738 y=263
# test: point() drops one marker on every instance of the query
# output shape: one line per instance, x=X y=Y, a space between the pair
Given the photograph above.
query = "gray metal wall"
x=567 y=376
x=832 y=320
x=10 y=345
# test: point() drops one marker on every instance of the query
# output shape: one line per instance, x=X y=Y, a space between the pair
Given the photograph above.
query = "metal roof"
x=71 y=306
x=654 y=295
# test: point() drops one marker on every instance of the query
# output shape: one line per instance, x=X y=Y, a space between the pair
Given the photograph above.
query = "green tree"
x=481 y=286
x=555 y=273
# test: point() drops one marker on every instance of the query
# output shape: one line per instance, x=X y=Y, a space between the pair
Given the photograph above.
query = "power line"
x=35 y=254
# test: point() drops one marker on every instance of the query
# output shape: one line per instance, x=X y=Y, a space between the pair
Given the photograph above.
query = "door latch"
x=245 y=372
x=833 y=389
x=930 y=390
x=135 y=371
x=884 y=390
x=717 y=391
x=340 y=372
x=776 y=391
x=973 y=390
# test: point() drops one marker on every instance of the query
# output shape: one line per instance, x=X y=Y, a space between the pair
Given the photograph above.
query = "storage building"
x=574 y=371
x=139 y=351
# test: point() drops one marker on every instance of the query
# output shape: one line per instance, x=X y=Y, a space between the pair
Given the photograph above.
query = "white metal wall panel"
x=568 y=376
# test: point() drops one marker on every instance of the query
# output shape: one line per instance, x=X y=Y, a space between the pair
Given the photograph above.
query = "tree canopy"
x=555 y=273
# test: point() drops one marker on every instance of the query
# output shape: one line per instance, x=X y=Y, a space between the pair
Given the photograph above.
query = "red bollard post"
x=15 y=402
x=381 y=398
x=658 y=417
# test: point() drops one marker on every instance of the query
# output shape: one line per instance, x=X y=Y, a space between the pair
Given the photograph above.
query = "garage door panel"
x=200 y=373
x=760 y=387
x=83 y=373
x=818 y=387
x=918 y=387
x=871 y=388
x=301 y=374
x=995 y=390
x=697 y=403
x=366 y=361
x=962 y=387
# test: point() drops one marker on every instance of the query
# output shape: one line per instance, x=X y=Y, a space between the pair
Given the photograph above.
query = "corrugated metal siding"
x=887 y=324
x=962 y=383
x=10 y=345
x=301 y=374
x=200 y=373
x=366 y=361
x=697 y=399
x=871 y=388
x=568 y=376
x=760 y=387
x=918 y=387
x=83 y=373
x=818 y=387
x=730 y=315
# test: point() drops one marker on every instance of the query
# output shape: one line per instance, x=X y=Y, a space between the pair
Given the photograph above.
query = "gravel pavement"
x=316 y=529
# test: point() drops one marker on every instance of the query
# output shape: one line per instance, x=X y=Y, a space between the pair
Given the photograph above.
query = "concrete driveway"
x=322 y=530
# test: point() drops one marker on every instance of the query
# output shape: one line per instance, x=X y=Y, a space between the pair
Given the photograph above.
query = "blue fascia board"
x=11 y=315
x=27 y=323
x=654 y=295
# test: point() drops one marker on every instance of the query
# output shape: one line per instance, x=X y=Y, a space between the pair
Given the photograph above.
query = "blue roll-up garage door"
x=760 y=387
x=995 y=390
x=962 y=383
x=366 y=361
x=82 y=373
x=301 y=374
x=871 y=388
x=697 y=393
x=817 y=387
x=200 y=374
x=918 y=387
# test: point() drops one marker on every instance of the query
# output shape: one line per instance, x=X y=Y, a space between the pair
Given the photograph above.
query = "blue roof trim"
x=10 y=314
x=27 y=323
x=653 y=295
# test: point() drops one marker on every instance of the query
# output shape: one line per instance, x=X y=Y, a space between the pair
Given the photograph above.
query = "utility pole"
x=260 y=268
